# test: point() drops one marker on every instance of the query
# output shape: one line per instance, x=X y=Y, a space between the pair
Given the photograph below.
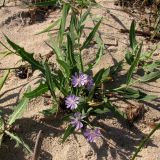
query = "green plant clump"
x=74 y=88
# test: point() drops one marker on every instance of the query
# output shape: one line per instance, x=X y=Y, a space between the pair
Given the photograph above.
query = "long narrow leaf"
x=41 y=89
x=132 y=35
x=49 y=79
x=65 y=11
x=91 y=35
x=51 y=111
x=68 y=131
x=18 y=140
x=70 y=53
x=98 y=57
x=3 y=79
x=84 y=16
x=56 y=49
x=98 y=77
x=115 y=110
x=65 y=68
x=50 y=27
x=150 y=77
x=19 y=109
x=25 y=55
x=134 y=64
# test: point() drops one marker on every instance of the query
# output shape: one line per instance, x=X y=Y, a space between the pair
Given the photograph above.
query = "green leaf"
x=18 y=140
x=25 y=55
x=78 y=62
x=65 y=68
x=115 y=110
x=152 y=66
x=70 y=52
x=53 y=81
x=130 y=93
x=116 y=68
x=19 y=109
x=149 y=98
x=4 y=78
x=49 y=79
x=150 y=77
x=106 y=74
x=73 y=28
x=98 y=57
x=91 y=35
x=41 y=89
x=144 y=141
x=50 y=27
x=56 y=49
x=84 y=16
x=97 y=80
x=67 y=132
x=134 y=64
x=132 y=35
x=98 y=77
x=65 y=11
x=101 y=110
x=46 y=3
x=129 y=57
x=50 y=112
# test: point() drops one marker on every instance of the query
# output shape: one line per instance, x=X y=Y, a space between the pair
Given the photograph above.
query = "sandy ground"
x=120 y=139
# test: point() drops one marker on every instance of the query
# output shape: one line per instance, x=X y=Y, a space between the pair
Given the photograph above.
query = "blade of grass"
x=3 y=79
x=144 y=141
x=91 y=35
x=133 y=65
x=19 y=109
x=50 y=27
x=132 y=35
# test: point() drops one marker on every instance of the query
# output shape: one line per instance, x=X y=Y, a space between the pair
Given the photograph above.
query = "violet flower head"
x=79 y=79
x=92 y=134
x=76 y=120
x=72 y=101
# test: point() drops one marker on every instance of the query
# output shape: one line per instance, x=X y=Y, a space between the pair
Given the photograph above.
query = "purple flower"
x=92 y=134
x=72 y=101
x=76 y=120
x=79 y=80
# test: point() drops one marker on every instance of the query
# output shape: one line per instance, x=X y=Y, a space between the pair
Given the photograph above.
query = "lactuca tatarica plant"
x=74 y=88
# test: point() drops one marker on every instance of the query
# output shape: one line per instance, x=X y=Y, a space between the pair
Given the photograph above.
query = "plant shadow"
x=119 y=142
x=27 y=130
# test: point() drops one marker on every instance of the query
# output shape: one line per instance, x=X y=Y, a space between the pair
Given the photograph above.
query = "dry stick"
x=37 y=147
x=142 y=33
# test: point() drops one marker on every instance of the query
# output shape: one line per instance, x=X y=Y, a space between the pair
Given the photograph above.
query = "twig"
x=37 y=146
